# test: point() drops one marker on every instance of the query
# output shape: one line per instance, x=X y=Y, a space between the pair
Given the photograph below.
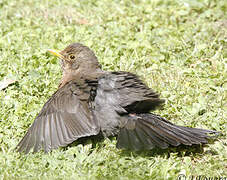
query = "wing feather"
x=64 y=118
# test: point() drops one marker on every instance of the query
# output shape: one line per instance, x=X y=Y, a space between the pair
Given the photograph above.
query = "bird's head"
x=77 y=57
x=77 y=60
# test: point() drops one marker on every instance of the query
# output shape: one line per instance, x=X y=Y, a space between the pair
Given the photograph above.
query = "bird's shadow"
x=179 y=151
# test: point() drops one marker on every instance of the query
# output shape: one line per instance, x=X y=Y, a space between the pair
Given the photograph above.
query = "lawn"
x=178 y=47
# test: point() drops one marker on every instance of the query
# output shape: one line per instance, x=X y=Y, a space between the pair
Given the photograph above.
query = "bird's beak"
x=56 y=53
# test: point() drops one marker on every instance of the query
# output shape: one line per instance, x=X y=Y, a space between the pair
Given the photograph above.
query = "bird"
x=90 y=102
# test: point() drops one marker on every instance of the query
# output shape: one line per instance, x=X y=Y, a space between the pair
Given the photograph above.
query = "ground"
x=178 y=47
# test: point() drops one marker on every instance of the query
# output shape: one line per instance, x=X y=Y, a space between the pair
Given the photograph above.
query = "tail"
x=148 y=131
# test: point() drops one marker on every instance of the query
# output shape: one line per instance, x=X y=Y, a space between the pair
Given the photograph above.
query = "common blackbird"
x=91 y=101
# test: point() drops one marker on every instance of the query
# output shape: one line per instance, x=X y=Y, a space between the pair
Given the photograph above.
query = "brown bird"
x=91 y=101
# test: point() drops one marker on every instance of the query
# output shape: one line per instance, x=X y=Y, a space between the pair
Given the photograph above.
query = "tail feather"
x=187 y=135
x=167 y=134
x=147 y=131
x=183 y=136
x=143 y=137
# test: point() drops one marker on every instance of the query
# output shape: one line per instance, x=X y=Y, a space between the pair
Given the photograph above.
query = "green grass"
x=178 y=47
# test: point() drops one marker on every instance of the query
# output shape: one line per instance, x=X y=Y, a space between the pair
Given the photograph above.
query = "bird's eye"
x=72 y=57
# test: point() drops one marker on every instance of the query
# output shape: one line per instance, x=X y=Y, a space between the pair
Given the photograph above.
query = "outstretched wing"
x=65 y=117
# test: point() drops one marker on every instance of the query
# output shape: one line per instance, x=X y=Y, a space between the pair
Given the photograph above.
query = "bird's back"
x=121 y=93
